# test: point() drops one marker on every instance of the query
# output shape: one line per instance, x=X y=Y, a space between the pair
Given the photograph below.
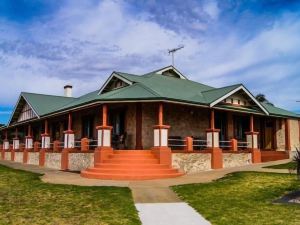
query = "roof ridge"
x=23 y=92
x=233 y=85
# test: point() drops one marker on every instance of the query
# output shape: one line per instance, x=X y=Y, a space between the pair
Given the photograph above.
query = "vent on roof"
x=68 y=90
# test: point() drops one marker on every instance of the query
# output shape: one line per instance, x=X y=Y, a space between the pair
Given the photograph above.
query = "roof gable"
x=218 y=95
x=169 y=71
x=115 y=81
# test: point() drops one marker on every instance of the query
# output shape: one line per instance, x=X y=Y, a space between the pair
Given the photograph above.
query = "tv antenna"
x=172 y=51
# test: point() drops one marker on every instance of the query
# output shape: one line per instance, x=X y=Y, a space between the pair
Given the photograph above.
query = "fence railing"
x=177 y=143
x=199 y=144
x=242 y=145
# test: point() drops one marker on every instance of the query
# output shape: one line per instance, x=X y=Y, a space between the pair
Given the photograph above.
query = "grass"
x=25 y=199
x=244 y=198
x=290 y=165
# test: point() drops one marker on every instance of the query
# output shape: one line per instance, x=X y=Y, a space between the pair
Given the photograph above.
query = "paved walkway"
x=151 y=197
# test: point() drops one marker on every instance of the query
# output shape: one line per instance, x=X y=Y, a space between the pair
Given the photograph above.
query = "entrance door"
x=268 y=134
x=117 y=121
x=241 y=126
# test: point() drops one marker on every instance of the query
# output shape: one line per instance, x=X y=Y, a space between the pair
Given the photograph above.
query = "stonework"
x=53 y=160
x=7 y=155
x=149 y=115
x=130 y=125
x=191 y=162
x=33 y=158
x=294 y=126
x=280 y=134
x=236 y=159
x=19 y=157
x=80 y=161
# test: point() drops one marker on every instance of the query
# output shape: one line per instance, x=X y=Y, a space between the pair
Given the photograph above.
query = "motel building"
x=151 y=126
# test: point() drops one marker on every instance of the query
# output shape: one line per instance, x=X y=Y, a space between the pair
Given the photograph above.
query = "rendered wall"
x=7 y=155
x=191 y=162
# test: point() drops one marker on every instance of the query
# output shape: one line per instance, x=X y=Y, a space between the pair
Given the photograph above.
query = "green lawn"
x=24 y=199
x=289 y=165
x=244 y=198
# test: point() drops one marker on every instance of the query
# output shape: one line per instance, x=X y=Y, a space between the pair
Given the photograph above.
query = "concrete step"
x=93 y=175
x=131 y=161
x=130 y=166
x=133 y=170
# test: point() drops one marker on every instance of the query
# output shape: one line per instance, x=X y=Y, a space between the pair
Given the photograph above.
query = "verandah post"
x=28 y=144
x=212 y=136
x=69 y=143
x=104 y=148
x=45 y=144
x=161 y=133
x=252 y=142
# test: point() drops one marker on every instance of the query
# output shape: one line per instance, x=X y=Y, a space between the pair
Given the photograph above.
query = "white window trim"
x=236 y=90
x=110 y=78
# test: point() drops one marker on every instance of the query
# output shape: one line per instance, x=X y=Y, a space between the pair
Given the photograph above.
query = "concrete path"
x=155 y=201
x=169 y=213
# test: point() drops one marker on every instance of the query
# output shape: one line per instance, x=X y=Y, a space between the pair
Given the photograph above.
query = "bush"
x=297 y=160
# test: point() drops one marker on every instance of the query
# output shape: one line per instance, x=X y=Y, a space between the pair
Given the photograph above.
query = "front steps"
x=130 y=165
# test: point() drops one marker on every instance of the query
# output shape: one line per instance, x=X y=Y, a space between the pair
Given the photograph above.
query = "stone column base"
x=3 y=154
x=164 y=155
x=101 y=154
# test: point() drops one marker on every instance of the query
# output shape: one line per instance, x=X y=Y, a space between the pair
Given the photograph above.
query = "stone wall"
x=280 y=134
x=80 y=161
x=184 y=121
x=33 y=158
x=149 y=118
x=19 y=157
x=236 y=159
x=294 y=126
x=53 y=160
x=130 y=126
x=7 y=155
x=191 y=162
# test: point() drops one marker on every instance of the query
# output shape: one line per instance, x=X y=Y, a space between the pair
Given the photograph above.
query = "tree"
x=262 y=98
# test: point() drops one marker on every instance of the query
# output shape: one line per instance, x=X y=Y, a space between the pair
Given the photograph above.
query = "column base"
x=216 y=158
x=12 y=155
x=65 y=159
x=164 y=155
x=256 y=155
x=25 y=156
x=42 y=157
x=101 y=154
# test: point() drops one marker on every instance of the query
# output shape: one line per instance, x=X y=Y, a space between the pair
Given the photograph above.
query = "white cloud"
x=83 y=43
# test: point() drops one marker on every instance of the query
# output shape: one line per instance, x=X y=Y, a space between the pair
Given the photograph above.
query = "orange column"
x=160 y=114
x=70 y=122
x=104 y=115
x=212 y=119
x=251 y=123
x=287 y=135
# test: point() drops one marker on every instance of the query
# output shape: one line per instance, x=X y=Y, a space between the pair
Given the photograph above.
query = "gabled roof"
x=40 y=104
x=151 y=86
x=219 y=94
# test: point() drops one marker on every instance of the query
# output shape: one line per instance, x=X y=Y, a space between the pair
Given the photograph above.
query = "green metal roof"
x=150 y=86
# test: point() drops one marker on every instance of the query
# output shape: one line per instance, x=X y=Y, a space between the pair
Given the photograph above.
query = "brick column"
x=45 y=144
x=104 y=131
x=138 y=126
x=16 y=141
x=212 y=136
x=189 y=144
x=161 y=134
x=252 y=140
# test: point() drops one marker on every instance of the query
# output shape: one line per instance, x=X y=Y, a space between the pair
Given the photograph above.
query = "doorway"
x=117 y=121
x=241 y=126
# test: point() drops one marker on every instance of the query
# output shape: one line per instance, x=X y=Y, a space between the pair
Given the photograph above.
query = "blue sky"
x=45 y=44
